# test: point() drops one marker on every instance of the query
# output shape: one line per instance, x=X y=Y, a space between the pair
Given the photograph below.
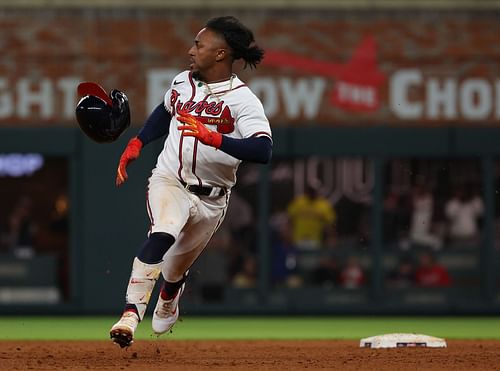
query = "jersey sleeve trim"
x=262 y=134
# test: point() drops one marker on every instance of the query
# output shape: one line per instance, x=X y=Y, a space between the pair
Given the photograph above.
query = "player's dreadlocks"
x=239 y=38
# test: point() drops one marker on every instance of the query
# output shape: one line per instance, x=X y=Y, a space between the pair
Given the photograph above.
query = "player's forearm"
x=156 y=125
x=255 y=149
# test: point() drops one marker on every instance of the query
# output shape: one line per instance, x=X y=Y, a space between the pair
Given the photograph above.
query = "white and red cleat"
x=122 y=332
x=166 y=313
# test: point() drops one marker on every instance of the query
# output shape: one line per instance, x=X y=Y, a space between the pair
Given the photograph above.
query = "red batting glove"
x=131 y=152
x=194 y=128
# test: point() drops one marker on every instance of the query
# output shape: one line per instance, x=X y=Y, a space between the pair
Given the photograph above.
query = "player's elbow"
x=269 y=155
x=266 y=153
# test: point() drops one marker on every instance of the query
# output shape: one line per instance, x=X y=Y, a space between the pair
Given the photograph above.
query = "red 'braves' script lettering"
x=173 y=98
x=205 y=112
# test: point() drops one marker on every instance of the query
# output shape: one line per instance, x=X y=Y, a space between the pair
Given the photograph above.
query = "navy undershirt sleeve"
x=254 y=149
x=156 y=125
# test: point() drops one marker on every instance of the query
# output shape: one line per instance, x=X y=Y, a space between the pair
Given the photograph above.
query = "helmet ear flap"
x=119 y=101
x=103 y=119
x=120 y=114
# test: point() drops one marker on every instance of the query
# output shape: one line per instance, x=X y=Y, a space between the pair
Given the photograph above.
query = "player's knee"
x=155 y=247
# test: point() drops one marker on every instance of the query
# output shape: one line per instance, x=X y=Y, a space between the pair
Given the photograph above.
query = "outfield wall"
x=107 y=225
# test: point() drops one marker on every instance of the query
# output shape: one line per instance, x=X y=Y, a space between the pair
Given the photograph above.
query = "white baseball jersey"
x=228 y=107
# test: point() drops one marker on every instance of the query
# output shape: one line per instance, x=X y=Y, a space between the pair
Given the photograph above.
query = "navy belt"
x=204 y=191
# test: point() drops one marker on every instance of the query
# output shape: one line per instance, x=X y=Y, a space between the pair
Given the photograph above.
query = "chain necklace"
x=217 y=95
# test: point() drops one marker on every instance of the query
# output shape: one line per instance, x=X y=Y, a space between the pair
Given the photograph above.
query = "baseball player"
x=213 y=122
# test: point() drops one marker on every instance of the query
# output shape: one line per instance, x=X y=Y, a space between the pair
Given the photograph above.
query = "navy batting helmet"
x=102 y=118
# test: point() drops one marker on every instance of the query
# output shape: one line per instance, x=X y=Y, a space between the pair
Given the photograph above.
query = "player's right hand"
x=131 y=152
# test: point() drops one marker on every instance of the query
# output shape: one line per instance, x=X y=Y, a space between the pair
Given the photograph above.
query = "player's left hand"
x=194 y=128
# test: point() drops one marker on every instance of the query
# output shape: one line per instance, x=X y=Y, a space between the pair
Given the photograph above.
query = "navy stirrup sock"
x=169 y=289
x=155 y=247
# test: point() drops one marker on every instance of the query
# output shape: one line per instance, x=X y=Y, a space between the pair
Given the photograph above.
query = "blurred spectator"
x=208 y=276
x=247 y=276
x=352 y=275
x=4 y=233
x=422 y=231
x=283 y=258
x=430 y=273
x=211 y=271
x=395 y=218
x=21 y=229
x=351 y=216
x=326 y=273
x=463 y=211
x=54 y=234
x=240 y=222
x=403 y=276
x=236 y=235
x=59 y=230
x=60 y=215
x=311 y=217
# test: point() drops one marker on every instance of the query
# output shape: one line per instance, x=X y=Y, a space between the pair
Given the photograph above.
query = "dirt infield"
x=243 y=355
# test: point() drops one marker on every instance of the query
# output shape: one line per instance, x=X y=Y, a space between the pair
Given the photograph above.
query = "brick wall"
x=329 y=67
